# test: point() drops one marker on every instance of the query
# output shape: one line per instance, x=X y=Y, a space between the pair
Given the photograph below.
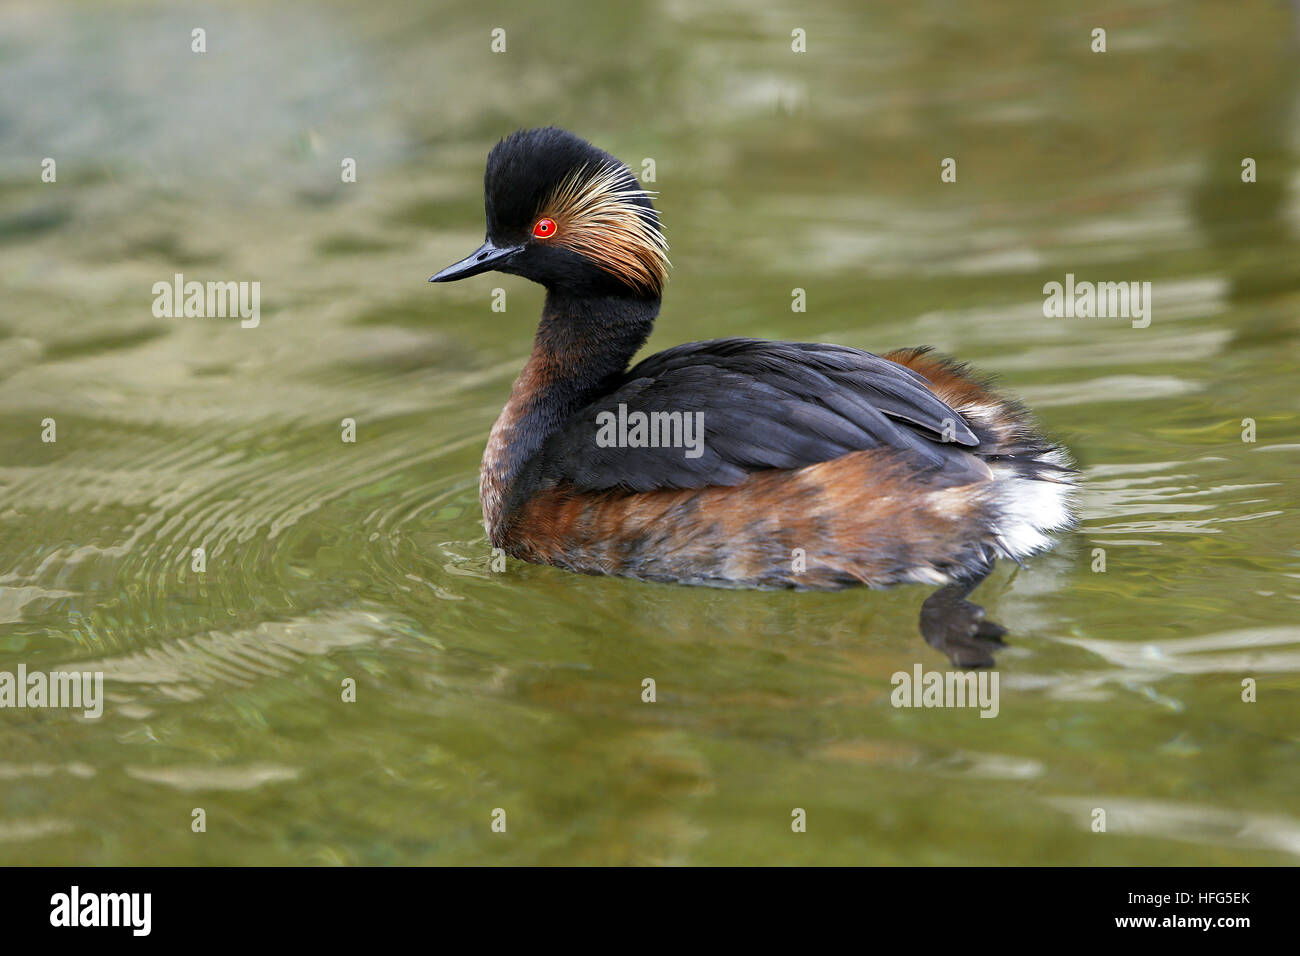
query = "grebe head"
x=568 y=216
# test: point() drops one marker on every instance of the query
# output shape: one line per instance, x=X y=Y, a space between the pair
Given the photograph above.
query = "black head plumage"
x=601 y=233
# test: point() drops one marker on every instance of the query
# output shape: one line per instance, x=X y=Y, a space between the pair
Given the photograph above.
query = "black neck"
x=583 y=346
x=590 y=339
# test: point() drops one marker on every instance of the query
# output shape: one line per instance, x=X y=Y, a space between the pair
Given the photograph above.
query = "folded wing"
x=764 y=405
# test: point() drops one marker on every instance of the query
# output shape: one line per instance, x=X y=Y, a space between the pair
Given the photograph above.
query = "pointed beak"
x=483 y=259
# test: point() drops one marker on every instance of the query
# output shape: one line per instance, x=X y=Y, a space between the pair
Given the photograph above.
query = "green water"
x=521 y=690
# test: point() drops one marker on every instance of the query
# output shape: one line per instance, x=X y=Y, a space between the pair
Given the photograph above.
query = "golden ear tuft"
x=598 y=217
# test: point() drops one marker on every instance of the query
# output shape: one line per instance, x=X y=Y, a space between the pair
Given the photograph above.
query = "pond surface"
x=521 y=690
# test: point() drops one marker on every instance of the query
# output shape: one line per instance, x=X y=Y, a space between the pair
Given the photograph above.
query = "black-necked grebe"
x=819 y=466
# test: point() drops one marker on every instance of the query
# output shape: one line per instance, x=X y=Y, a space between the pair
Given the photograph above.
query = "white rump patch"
x=1030 y=508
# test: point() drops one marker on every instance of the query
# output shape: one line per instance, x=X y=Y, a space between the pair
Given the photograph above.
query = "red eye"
x=544 y=229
